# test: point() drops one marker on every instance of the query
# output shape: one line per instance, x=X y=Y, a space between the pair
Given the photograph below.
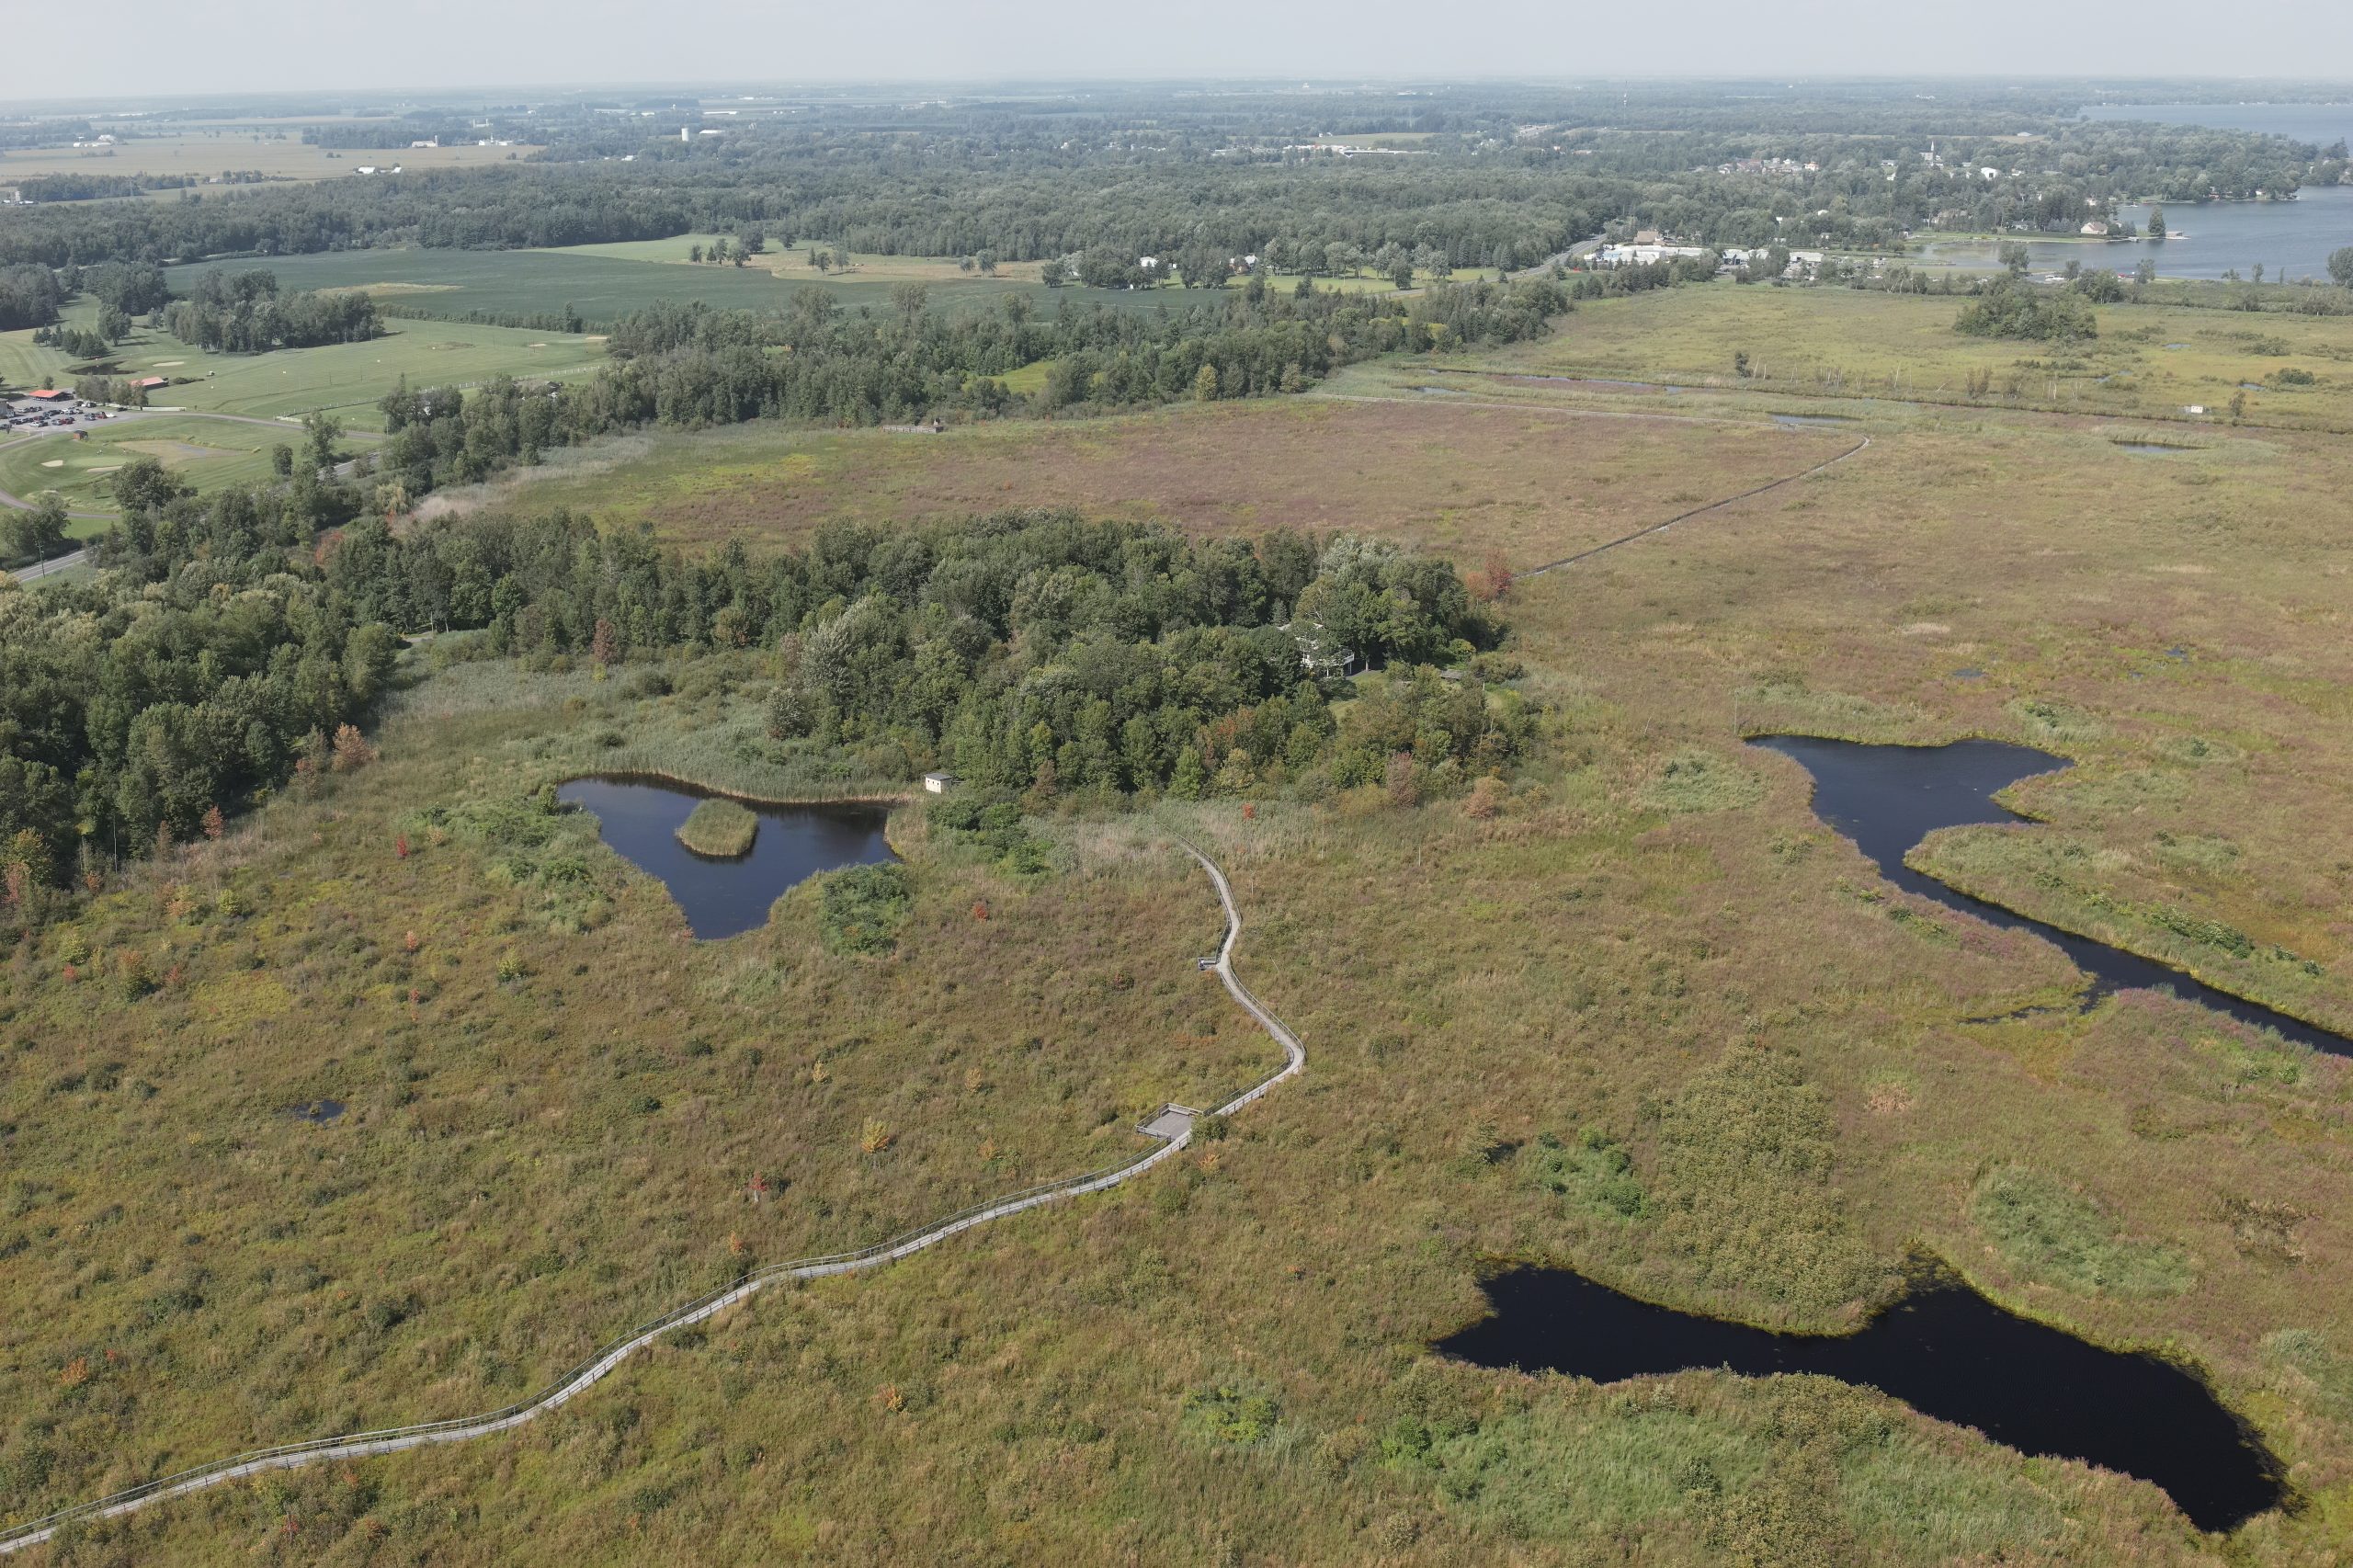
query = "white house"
x=939 y=783
x=1646 y=255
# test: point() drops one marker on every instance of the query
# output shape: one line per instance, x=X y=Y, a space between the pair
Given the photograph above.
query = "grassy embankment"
x=1655 y=940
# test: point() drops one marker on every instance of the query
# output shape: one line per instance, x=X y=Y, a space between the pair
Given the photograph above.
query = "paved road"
x=55 y=564
x=579 y=1381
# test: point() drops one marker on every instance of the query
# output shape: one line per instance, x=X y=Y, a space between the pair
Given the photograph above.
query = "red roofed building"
x=48 y=394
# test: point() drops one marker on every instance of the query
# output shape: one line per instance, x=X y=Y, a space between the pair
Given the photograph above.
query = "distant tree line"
x=371 y=135
x=689 y=366
x=1503 y=177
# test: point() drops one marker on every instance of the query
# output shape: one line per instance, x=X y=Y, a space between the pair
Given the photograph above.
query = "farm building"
x=939 y=783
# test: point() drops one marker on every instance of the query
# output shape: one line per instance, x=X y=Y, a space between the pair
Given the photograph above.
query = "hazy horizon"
x=208 y=47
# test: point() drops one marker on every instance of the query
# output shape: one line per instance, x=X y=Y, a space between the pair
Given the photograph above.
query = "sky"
x=113 y=49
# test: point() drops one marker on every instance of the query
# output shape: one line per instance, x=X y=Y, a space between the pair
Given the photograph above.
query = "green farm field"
x=343 y=378
x=203 y=153
x=604 y=282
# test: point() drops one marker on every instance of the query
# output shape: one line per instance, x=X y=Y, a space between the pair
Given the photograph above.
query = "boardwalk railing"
x=592 y=1370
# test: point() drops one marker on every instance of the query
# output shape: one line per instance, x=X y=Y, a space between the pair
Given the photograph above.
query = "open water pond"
x=2290 y=239
x=1945 y=1350
x=640 y=818
x=1887 y=799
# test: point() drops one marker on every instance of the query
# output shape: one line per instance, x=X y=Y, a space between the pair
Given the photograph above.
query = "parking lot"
x=31 y=416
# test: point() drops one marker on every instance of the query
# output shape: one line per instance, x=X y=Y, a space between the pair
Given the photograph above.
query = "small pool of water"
x=1887 y=799
x=1799 y=421
x=1945 y=1350
x=318 y=1113
x=640 y=818
x=2150 y=446
x=1598 y=382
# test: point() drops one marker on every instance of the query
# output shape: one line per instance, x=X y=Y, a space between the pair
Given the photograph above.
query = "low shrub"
x=2049 y=1232
x=863 y=909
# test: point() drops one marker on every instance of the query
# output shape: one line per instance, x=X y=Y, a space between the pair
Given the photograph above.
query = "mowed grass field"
x=203 y=153
x=210 y=454
x=557 y=1100
x=2149 y=361
x=791 y=262
x=1529 y=485
x=604 y=283
x=610 y=281
x=346 y=379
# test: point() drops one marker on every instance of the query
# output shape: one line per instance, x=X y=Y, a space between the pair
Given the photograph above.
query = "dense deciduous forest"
x=29 y=296
x=689 y=366
x=224 y=654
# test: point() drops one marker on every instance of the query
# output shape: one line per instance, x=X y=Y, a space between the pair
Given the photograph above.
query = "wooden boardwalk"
x=581 y=1378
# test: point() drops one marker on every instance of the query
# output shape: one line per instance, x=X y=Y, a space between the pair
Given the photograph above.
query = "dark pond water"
x=1945 y=1350
x=1595 y=381
x=318 y=1113
x=1887 y=799
x=2151 y=448
x=640 y=820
